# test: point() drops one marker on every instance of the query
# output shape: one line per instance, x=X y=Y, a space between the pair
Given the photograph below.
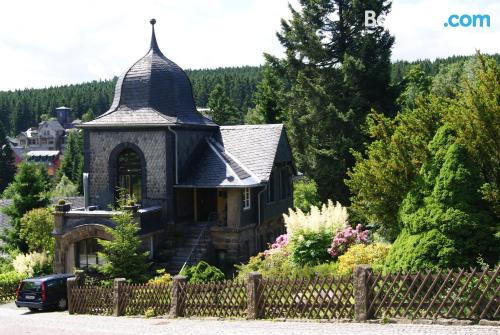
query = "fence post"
x=117 y=292
x=70 y=284
x=361 y=292
x=176 y=305
x=253 y=295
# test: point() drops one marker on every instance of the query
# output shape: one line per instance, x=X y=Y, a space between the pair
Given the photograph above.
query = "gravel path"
x=15 y=321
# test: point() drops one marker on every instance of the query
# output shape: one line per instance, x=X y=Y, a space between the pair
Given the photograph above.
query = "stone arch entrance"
x=64 y=258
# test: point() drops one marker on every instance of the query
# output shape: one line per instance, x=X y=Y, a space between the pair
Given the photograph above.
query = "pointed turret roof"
x=154 y=91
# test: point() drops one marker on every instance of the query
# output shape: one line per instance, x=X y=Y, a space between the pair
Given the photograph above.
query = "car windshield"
x=31 y=286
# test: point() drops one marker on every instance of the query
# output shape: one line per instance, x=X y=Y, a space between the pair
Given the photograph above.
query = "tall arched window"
x=129 y=173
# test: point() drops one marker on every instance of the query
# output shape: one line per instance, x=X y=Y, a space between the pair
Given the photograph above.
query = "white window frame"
x=247 y=199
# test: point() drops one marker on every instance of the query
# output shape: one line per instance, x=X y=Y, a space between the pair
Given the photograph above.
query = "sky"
x=56 y=42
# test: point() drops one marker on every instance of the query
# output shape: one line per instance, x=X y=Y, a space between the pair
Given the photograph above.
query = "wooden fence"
x=457 y=294
x=446 y=294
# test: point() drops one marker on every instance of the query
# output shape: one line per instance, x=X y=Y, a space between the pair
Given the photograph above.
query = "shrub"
x=65 y=188
x=357 y=254
x=279 y=244
x=279 y=265
x=305 y=195
x=311 y=234
x=311 y=248
x=446 y=223
x=36 y=230
x=33 y=264
x=346 y=238
x=162 y=277
x=8 y=284
x=202 y=272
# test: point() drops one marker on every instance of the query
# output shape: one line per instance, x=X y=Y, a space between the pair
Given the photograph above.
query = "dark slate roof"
x=54 y=124
x=254 y=146
x=153 y=92
x=243 y=158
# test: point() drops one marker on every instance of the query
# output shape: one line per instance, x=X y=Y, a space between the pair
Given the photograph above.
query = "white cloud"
x=55 y=42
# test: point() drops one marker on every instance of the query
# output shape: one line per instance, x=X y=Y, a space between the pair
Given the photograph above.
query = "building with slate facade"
x=204 y=191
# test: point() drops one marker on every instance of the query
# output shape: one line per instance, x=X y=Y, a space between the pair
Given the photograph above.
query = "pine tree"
x=30 y=189
x=222 y=109
x=7 y=162
x=335 y=71
x=72 y=162
x=122 y=253
x=268 y=98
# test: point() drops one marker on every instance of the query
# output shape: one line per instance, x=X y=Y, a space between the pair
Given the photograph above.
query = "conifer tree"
x=7 y=166
x=72 y=162
x=446 y=223
x=222 y=109
x=335 y=71
x=30 y=189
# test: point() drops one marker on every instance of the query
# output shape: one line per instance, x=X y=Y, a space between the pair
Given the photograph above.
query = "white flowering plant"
x=33 y=264
x=310 y=235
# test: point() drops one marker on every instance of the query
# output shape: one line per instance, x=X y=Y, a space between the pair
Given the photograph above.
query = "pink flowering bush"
x=279 y=245
x=346 y=238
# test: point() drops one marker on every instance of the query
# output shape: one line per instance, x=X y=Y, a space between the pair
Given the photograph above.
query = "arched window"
x=129 y=173
x=87 y=253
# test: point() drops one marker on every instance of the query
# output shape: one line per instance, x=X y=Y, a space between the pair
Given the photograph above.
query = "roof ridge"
x=211 y=146
x=237 y=161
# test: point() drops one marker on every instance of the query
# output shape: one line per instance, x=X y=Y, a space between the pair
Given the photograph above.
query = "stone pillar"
x=253 y=295
x=59 y=253
x=176 y=306
x=361 y=292
x=70 y=284
x=117 y=293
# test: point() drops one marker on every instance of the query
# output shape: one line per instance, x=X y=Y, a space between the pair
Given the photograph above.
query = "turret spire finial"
x=154 y=44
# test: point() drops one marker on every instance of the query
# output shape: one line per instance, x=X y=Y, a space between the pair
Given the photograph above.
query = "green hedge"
x=8 y=284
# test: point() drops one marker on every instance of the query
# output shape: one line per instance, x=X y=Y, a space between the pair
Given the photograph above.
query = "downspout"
x=259 y=214
x=176 y=153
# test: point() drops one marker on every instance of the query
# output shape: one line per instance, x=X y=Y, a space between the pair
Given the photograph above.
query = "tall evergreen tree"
x=335 y=71
x=30 y=189
x=7 y=166
x=72 y=162
x=222 y=109
x=268 y=98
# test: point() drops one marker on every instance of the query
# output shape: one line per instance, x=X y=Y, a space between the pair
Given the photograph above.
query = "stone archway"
x=65 y=242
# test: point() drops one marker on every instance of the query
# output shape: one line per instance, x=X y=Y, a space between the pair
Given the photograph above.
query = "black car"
x=43 y=293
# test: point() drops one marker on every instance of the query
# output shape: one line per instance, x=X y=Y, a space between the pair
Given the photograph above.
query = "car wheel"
x=33 y=309
x=62 y=304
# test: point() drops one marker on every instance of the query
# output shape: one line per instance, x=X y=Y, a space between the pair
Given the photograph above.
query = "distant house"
x=50 y=158
x=203 y=191
x=49 y=138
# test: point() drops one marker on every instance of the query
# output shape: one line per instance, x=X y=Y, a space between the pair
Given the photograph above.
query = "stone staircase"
x=191 y=249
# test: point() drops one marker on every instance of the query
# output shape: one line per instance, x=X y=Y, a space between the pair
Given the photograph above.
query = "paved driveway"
x=15 y=321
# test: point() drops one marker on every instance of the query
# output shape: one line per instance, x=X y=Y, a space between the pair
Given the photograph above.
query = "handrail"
x=197 y=244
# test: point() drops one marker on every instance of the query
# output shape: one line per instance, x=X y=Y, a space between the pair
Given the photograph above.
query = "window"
x=86 y=253
x=129 y=173
x=246 y=198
